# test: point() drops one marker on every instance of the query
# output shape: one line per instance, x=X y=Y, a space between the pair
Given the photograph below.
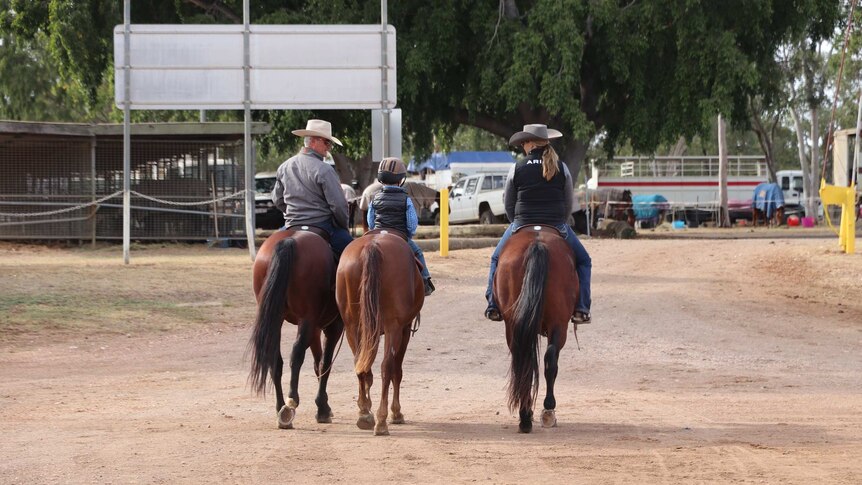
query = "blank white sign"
x=292 y=67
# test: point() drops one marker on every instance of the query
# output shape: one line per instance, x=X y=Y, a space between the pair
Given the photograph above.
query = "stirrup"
x=493 y=314
x=581 y=318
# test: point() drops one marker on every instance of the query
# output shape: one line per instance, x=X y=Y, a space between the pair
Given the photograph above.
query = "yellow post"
x=849 y=213
x=845 y=197
x=444 y=222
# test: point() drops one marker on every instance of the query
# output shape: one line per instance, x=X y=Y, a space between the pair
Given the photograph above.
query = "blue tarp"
x=442 y=161
x=767 y=198
x=648 y=206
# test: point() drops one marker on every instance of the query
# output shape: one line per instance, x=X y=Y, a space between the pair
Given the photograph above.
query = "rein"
x=416 y=322
x=332 y=362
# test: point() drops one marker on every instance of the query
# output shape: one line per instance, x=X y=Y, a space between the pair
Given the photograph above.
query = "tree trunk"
x=812 y=189
x=573 y=156
x=765 y=138
x=723 y=214
x=803 y=162
x=360 y=169
x=679 y=148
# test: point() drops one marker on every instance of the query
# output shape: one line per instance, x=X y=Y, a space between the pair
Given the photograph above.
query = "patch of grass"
x=21 y=313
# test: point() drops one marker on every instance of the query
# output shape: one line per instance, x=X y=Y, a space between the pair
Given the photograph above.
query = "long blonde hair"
x=550 y=167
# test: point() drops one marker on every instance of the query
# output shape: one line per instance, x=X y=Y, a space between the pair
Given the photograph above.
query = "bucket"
x=679 y=224
x=793 y=221
x=807 y=222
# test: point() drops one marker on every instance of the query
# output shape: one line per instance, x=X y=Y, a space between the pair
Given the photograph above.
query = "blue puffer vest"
x=390 y=209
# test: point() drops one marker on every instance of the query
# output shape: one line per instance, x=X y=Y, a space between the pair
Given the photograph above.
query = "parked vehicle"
x=478 y=198
x=690 y=184
x=266 y=214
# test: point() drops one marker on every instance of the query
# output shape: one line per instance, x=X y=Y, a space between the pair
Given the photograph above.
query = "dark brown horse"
x=758 y=217
x=379 y=292
x=293 y=281
x=536 y=288
x=611 y=203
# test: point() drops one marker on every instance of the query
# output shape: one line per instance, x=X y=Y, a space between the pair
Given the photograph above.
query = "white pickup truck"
x=478 y=198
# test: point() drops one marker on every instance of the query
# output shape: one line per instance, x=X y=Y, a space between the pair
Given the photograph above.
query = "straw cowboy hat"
x=534 y=132
x=320 y=128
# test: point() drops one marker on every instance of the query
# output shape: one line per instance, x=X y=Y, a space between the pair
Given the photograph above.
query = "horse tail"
x=369 y=316
x=524 y=370
x=265 y=342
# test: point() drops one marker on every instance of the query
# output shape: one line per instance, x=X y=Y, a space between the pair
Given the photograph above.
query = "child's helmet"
x=391 y=171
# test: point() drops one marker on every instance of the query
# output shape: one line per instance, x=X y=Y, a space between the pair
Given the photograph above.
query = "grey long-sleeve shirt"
x=308 y=191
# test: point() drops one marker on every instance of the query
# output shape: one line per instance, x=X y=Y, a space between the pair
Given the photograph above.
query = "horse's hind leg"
x=276 y=374
x=316 y=351
x=304 y=334
x=556 y=341
x=392 y=345
x=366 y=419
x=333 y=333
x=397 y=417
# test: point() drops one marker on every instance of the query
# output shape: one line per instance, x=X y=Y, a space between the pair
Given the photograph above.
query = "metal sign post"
x=249 y=160
x=127 y=132
x=384 y=84
x=393 y=149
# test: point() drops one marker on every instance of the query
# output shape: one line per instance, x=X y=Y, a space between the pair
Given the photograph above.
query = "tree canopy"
x=645 y=72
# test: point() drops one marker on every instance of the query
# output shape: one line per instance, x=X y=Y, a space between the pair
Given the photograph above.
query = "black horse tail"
x=369 y=315
x=265 y=342
x=524 y=372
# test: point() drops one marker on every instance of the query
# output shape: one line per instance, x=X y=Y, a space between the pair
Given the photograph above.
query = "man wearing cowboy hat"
x=308 y=191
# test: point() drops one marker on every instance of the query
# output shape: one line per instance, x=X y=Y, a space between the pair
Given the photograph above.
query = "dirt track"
x=708 y=361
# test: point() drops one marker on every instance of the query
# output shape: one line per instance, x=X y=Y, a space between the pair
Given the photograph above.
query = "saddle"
x=291 y=230
x=387 y=231
x=539 y=228
x=396 y=233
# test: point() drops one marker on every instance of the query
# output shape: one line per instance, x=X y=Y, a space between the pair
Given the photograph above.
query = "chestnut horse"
x=379 y=291
x=293 y=281
x=536 y=288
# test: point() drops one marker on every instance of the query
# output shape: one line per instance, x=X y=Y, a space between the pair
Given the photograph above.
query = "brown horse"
x=536 y=287
x=379 y=291
x=293 y=281
x=611 y=203
x=757 y=216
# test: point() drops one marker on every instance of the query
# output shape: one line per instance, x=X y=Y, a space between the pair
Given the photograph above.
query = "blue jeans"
x=418 y=252
x=583 y=265
x=339 y=238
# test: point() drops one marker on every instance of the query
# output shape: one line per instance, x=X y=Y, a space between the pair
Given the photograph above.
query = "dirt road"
x=708 y=361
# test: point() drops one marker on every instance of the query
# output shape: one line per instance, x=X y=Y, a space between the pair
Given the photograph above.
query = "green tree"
x=643 y=71
x=31 y=86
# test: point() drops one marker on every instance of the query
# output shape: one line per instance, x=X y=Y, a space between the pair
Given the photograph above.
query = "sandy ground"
x=721 y=361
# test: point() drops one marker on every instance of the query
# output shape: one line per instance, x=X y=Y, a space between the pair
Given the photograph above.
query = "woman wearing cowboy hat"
x=307 y=189
x=539 y=191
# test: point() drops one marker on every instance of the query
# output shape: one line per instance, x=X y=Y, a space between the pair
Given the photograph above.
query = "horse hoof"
x=525 y=427
x=381 y=430
x=549 y=418
x=397 y=418
x=365 y=422
x=324 y=417
x=285 y=417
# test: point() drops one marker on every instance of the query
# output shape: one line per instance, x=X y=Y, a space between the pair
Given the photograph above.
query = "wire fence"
x=71 y=188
